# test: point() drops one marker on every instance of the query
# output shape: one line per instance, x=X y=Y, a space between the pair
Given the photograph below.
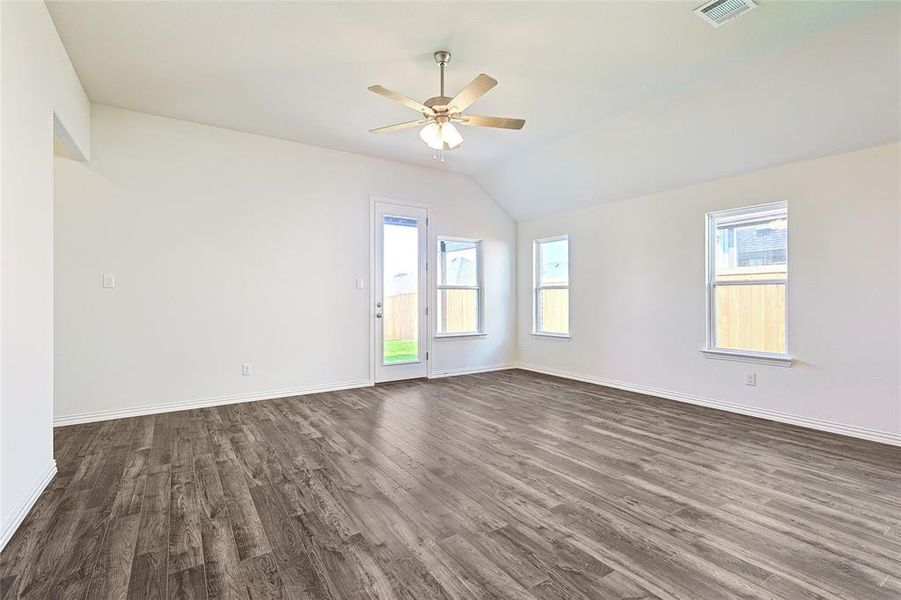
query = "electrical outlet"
x=109 y=280
x=359 y=283
x=246 y=369
x=750 y=378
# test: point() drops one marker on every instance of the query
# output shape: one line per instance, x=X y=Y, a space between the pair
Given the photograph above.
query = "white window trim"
x=479 y=287
x=536 y=277
x=465 y=334
x=748 y=356
x=561 y=336
x=710 y=350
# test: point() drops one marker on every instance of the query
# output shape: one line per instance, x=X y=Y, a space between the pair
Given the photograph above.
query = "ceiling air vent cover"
x=718 y=12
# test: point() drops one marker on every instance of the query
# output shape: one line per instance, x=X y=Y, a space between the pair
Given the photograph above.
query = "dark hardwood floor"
x=502 y=485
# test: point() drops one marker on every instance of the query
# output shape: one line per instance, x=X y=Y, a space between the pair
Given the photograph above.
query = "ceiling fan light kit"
x=439 y=113
x=441 y=136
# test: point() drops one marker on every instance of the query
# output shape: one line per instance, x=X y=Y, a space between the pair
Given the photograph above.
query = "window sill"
x=473 y=334
x=778 y=360
x=562 y=336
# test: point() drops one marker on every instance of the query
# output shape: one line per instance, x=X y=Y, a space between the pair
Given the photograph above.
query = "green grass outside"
x=400 y=351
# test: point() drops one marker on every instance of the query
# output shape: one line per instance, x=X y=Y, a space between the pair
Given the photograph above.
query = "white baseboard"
x=12 y=522
x=471 y=371
x=152 y=409
x=810 y=423
x=873 y=435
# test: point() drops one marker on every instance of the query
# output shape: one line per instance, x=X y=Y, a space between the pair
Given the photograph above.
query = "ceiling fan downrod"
x=442 y=57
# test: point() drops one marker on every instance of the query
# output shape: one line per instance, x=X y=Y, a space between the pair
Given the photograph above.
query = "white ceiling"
x=621 y=98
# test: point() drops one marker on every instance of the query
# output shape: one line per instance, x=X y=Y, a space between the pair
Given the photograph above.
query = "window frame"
x=711 y=350
x=479 y=288
x=537 y=286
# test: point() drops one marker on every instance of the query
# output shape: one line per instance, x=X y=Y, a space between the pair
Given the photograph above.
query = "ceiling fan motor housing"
x=438 y=103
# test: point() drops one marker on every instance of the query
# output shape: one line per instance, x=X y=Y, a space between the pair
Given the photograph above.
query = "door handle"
x=378 y=315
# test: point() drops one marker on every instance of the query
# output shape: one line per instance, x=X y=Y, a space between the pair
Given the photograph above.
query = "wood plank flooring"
x=502 y=485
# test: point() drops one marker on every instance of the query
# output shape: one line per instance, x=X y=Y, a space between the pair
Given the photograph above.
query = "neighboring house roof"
x=763 y=246
x=461 y=269
x=556 y=272
x=760 y=240
x=400 y=283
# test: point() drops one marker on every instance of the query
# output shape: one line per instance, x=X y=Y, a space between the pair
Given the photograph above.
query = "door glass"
x=400 y=320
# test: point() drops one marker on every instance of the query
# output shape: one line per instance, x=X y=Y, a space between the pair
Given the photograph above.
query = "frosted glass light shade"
x=450 y=135
x=431 y=135
x=441 y=136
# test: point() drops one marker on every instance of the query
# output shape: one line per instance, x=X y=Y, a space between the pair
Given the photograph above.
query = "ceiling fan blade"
x=406 y=125
x=500 y=122
x=472 y=92
x=408 y=102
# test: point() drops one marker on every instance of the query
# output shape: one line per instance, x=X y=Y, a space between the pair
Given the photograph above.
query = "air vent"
x=721 y=11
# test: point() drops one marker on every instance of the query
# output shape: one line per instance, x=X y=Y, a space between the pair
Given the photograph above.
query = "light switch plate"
x=359 y=283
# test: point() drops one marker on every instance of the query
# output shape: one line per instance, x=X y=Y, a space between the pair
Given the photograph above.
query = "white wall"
x=637 y=295
x=230 y=247
x=38 y=83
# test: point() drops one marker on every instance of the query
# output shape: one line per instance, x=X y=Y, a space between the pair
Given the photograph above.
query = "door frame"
x=429 y=285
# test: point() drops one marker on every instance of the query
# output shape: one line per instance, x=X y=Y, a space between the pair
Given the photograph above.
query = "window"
x=747 y=275
x=551 y=316
x=459 y=287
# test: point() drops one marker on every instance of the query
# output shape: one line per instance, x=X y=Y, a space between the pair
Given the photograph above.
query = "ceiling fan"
x=439 y=113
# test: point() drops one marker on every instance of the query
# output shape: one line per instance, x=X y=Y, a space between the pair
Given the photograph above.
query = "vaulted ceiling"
x=621 y=98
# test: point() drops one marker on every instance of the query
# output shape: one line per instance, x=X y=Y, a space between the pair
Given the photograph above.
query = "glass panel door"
x=400 y=292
